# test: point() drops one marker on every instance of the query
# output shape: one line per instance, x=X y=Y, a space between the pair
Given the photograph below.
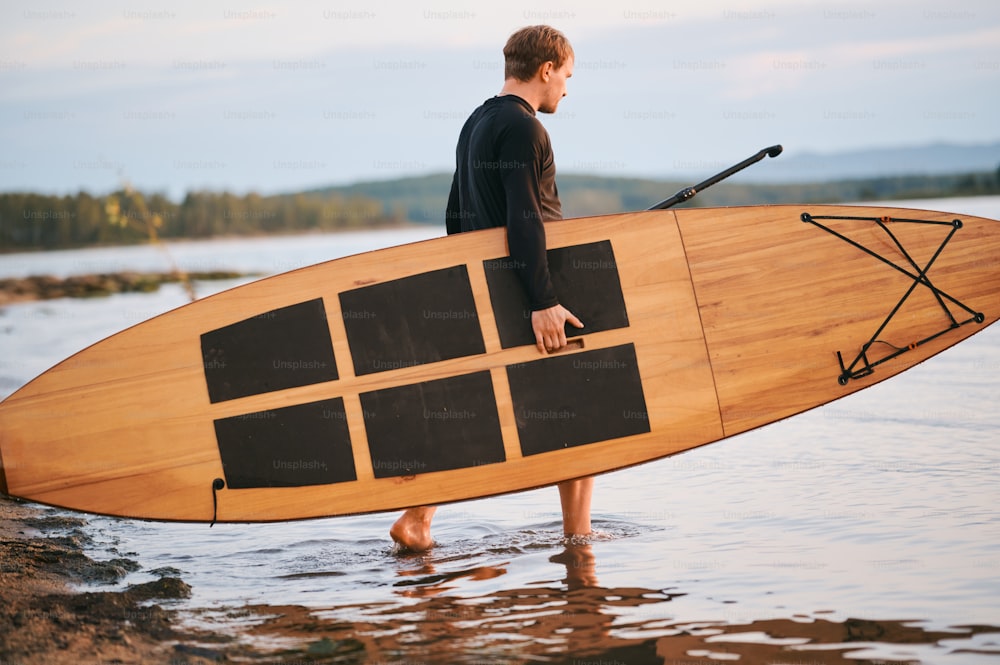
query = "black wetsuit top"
x=505 y=175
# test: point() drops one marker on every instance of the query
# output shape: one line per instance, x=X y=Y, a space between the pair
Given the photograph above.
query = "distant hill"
x=423 y=198
x=935 y=159
x=418 y=198
x=36 y=221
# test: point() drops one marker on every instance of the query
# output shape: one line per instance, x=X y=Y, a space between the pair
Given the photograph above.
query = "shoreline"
x=53 y=610
x=14 y=290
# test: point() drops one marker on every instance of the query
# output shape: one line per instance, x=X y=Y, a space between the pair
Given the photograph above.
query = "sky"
x=280 y=96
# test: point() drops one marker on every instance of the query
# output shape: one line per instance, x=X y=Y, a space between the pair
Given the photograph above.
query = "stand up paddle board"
x=409 y=375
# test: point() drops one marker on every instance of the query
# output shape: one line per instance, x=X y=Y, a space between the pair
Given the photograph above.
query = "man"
x=505 y=176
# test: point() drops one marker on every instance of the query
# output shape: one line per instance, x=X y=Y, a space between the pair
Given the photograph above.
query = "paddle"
x=688 y=192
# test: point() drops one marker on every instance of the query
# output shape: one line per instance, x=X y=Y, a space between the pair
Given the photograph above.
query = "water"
x=267 y=255
x=865 y=531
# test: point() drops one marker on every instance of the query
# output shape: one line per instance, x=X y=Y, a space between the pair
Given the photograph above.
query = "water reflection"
x=581 y=565
x=578 y=622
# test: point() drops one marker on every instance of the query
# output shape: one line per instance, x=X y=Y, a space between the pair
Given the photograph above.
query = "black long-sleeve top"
x=505 y=175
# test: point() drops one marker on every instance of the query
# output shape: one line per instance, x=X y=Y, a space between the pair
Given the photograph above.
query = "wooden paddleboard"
x=408 y=375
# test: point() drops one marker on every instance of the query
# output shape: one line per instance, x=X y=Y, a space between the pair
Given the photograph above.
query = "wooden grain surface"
x=778 y=299
x=735 y=315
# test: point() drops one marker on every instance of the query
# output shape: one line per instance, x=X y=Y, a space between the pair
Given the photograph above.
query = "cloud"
x=384 y=82
x=852 y=64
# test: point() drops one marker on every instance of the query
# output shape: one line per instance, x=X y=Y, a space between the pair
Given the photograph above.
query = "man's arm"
x=521 y=167
x=519 y=163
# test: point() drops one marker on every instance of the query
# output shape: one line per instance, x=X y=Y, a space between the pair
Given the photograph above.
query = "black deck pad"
x=573 y=400
x=585 y=278
x=305 y=444
x=283 y=348
x=436 y=425
x=412 y=321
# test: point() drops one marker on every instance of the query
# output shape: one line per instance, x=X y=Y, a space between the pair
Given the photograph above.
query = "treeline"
x=587 y=195
x=886 y=188
x=35 y=221
x=423 y=198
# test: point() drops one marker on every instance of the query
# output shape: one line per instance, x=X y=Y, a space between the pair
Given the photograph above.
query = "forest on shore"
x=41 y=222
x=31 y=221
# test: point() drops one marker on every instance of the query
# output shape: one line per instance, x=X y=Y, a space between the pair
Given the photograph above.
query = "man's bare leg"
x=413 y=528
x=575 y=495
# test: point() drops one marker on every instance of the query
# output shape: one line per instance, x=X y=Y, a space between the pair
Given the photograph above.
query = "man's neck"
x=524 y=90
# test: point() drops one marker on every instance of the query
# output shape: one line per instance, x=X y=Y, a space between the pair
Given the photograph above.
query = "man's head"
x=542 y=56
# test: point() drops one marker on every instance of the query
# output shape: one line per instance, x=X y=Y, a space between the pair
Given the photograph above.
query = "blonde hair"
x=530 y=47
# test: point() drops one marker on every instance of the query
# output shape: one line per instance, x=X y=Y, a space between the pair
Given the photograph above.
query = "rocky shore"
x=53 y=611
x=46 y=287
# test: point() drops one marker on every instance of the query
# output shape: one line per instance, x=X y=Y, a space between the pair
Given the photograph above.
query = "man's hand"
x=549 y=326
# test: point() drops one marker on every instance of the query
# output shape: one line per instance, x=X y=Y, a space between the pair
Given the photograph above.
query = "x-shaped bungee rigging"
x=861 y=366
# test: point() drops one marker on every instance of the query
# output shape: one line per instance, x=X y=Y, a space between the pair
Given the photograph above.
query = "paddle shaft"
x=689 y=192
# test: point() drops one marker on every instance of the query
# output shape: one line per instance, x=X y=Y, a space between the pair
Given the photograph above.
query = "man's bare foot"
x=412 y=531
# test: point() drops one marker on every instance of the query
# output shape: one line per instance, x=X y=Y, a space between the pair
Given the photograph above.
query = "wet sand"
x=51 y=613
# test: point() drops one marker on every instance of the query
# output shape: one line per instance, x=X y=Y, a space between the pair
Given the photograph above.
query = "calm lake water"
x=864 y=531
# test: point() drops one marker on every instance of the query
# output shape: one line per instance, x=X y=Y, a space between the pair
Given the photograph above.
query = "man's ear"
x=546 y=70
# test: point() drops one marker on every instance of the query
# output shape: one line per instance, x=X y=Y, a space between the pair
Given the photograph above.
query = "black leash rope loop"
x=217 y=484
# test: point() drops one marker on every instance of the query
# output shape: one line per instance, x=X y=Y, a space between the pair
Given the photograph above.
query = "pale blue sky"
x=281 y=96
